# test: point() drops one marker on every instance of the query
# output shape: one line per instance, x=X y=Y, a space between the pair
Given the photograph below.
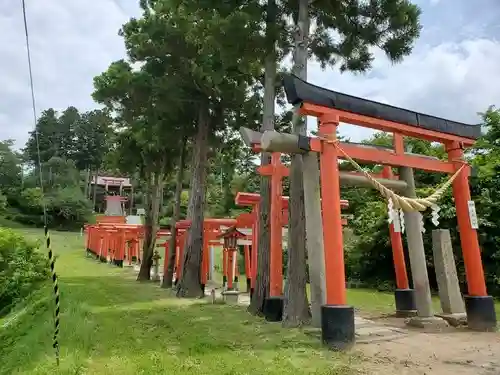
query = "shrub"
x=67 y=207
x=22 y=268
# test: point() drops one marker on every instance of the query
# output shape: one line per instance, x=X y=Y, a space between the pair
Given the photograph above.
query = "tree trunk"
x=189 y=284
x=150 y=225
x=296 y=307
x=169 y=273
x=261 y=289
x=87 y=182
x=94 y=198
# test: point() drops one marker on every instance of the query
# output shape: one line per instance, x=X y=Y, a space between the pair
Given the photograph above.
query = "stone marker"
x=231 y=296
x=425 y=315
x=451 y=299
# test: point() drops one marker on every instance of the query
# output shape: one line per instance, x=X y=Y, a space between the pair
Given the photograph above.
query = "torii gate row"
x=212 y=228
x=280 y=216
x=405 y=299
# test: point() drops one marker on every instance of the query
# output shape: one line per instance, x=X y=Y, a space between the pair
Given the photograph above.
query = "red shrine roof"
x=111 y=181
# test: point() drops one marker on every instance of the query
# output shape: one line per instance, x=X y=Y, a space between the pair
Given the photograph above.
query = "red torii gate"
x=331 y=108
x=276 y=249
x=211 y=229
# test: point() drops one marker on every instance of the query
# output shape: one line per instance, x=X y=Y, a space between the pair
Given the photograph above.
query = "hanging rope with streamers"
x=399 y=202
x=55 y=341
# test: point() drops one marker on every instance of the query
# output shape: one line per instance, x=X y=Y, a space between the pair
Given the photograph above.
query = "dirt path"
x=454 y=352
x=389 y=347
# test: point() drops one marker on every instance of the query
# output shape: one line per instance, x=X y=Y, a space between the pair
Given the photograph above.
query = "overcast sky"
x=454 y=71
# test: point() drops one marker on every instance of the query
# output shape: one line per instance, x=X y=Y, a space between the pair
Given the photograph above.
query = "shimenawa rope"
x=399 y=202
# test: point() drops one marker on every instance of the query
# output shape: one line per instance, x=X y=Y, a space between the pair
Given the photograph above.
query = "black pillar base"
x=251 y=293
x=273 y=309
x=249 y=286
x=118 y=262
x=176 y=281
x=405 y=302
x=134 y=259
x=103 y=259
x=203 y=289
x=337 y=326
x=480 y=313
x=224 y=281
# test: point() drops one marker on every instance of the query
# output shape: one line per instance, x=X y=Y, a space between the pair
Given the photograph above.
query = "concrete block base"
x=337 y=326
x=480 y=313
x=273 y=309
x=405 y=303
x=454 y=320
x=432 y=323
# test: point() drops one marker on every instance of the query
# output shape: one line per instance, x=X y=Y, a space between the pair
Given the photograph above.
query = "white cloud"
x=451 y=80
x=72 y=41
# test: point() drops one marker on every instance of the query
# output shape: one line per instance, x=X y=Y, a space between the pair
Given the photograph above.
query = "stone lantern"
x=230 y=238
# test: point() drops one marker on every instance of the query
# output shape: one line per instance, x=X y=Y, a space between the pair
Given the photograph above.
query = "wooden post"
x=247 y=266
x=205 y=257
x=230 y=269
x=224 y=267
x=416 y=250
x=314 y=235
x=276 y=257
x=180 y=259
x=255 y=242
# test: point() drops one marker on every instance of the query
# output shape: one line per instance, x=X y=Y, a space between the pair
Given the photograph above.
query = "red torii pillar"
x=273 y=305
x=253 y=200
x=247 y=220
x=479 y=305
x=403 y=295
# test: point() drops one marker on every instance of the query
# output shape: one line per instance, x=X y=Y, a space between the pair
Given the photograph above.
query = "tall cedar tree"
x=149 y=132
x=204 y=47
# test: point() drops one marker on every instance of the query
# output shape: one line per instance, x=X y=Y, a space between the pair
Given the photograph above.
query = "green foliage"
x=22 y=268
x=10 y=167
x=358 y=26
x=3 y=203
x=92 y=136
x=67 y=208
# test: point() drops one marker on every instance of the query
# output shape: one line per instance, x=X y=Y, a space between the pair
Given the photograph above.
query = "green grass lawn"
x=367 y=302
x=111 y=324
